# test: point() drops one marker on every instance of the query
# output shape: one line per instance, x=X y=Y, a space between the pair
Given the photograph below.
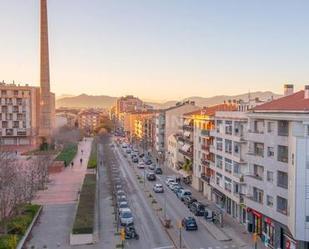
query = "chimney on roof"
x=288 y=89
x=306 y=91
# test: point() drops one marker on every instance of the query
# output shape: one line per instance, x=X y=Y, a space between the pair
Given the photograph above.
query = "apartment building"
x=89 y=119
x=202 y=157
x=229 y=166
x=168 y=122
x=277 y=194
x=20 y=114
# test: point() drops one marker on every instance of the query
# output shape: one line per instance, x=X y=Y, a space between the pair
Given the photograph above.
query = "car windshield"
x=126 y=215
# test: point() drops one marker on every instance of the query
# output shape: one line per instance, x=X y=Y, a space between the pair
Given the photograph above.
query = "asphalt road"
x=149 y=228
x=175 y=210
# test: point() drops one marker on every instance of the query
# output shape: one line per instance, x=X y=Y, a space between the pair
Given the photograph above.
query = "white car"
x=124 y=145
x=122 y=205
x=126 y=217
x=141 y=165
x=183 y=193
x=169 y=180
x=158 y=188
x=172 y=185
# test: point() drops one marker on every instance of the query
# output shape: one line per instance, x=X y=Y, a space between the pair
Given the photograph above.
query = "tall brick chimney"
x=45 y=96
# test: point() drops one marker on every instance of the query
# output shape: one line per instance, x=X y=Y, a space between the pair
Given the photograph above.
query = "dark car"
x=197 y=208
x=151 y=176
x=177 y=189
x=188 y=200
x=135 y=160
x=158 y=171
x=148 y=161
x=189 y=223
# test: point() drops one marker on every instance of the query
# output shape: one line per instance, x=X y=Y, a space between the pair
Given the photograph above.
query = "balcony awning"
x=186 y=147
x=187 y=133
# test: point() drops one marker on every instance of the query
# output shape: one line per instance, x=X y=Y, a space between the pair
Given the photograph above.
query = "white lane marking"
x=163 y=247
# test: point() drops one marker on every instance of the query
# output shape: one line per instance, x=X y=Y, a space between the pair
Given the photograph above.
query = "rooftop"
x=295 y=102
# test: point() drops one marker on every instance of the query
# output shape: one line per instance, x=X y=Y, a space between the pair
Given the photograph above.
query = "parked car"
x=124 y=145
x=158 y=188
x=141 y=165
x=173 y=185
x=128 y=151
x=169 y=180
x=120 y=192
x=121 y=198
x=152 y=166
x=151 y=176
x=197 y=208
x=126 y=217
x=189 y=223
x=122 y=205
x=177 y=189
x=141 y=155
x=158 y=171
x=135 y=160
x=187 y=200
x=182 y=193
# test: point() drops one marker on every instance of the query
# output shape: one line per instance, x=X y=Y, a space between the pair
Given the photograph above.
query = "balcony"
x=186 y=153
x=185 y=140
x=205 y=178
x=205 y=133
x=205 y=147
x=205 y=162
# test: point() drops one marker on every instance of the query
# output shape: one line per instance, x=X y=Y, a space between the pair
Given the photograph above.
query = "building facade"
x=89 y=120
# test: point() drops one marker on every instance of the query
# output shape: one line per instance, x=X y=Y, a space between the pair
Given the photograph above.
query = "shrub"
x=92 y=163
x=8 y=241
x=67 y=154
x=84 y=218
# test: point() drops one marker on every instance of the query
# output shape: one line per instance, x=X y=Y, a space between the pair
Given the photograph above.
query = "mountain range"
x=103 y=101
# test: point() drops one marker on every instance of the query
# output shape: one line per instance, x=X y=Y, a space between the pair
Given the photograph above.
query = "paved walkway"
x=59 y=203
x=234 y=230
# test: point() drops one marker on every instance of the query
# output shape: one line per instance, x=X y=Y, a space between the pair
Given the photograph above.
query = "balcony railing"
x=205 y=178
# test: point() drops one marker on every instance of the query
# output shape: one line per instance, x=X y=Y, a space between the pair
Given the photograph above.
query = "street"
x=152 y=233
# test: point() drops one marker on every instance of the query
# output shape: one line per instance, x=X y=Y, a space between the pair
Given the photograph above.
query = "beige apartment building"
x=20 y=114
x=89 y=119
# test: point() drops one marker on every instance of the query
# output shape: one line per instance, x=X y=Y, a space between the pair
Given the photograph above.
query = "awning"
x=186 y=147
x=187 y=133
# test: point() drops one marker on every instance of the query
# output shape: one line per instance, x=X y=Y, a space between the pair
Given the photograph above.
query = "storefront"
x=289 y=243
x=218 y=198
x=268 y=236
x=254 y=221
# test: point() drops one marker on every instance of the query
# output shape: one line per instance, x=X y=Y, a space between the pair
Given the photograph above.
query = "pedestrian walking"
x=81 y=161
x=72 y=164
x=82 y=152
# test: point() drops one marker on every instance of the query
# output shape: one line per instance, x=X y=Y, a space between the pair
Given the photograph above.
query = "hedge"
x=68 y=153
x=17 y=226
x=84 y=218
x=92 y=163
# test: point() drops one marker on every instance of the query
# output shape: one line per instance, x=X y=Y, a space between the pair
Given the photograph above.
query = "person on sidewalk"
x=81 y=161
x=72 y=164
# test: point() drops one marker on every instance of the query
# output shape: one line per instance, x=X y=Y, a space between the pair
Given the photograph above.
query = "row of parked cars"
x=124 y=213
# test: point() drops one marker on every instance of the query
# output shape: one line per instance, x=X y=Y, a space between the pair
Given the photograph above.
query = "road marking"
x=163 y=247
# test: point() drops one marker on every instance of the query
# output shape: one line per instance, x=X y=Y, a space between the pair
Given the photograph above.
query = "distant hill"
x=85 y=101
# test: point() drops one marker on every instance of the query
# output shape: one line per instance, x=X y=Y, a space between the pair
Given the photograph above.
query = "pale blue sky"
x=159 y=49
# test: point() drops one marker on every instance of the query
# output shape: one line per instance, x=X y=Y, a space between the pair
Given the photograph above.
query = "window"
x=270 y=176
x=283 y=153
x=259 y=126
x=236 y=168
x=218 y=179
x=219 y=162
x=259 y=149
x=236 y=148
x=258 y=172
x=236 y=187
x=228 y=127
x=282 y=179
x=282 y=205
x=228 y=165
x=258 y=195
x=270 y=151
x=219 y=144
x=307 y=218
x=228 y=184
x=270 y=127
x=283 y=128
x=307 y=130
x=228 y=146
x=270 y=201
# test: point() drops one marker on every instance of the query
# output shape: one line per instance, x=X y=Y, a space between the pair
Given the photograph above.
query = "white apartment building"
x=19 y=114
x=277 y=197
x=229 y=166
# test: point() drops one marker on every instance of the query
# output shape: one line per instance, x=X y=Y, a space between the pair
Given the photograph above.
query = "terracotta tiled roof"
x=293 y=102
x=211 y=110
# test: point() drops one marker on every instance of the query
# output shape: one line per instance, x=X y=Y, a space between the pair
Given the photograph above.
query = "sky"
x=159 y=49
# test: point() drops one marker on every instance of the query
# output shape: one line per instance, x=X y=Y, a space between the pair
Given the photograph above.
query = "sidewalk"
x=231 y=228
x=59 y=203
